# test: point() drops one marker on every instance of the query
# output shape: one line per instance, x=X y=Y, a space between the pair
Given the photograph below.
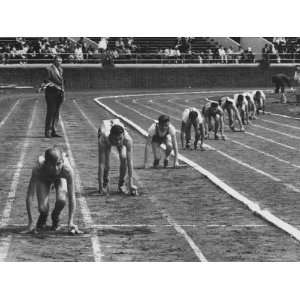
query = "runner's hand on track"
x=73 y=229
x=133 y=190
x=104 y=191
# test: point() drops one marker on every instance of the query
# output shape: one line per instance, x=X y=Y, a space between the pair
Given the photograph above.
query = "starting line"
x=104 y=226
x=254 y=207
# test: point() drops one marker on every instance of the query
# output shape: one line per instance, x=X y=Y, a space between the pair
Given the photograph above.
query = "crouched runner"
x=113 y=133
x=52 y=169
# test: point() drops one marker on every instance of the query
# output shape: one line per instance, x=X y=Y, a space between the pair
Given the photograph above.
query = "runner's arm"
x=29 y=198
x=147 y=145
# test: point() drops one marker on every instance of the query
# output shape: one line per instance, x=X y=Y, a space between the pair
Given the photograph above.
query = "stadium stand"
x=175 y=50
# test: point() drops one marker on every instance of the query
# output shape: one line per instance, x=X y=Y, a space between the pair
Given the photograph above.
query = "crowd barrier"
x=148 y=76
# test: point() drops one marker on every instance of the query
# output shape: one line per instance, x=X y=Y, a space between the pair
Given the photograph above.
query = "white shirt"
x=186 y=112
x=106 y=126
x=152 y=130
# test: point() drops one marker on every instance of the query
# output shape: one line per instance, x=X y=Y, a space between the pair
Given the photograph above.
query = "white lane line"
x=280 y=124
x=254 y=207
x=132 y=109
x=176 y=93
x=87 y=218
x=271 y=141
x=289 y=186
x=277 y=131
x=173 y=101
x=169 y=107
x=169 y=218
x=265 y=153
x=4 y=247
x=282 y=116
x=9 y=113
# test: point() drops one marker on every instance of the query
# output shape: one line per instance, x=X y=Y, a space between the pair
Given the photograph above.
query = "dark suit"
x=54 y=94
x=280 y=81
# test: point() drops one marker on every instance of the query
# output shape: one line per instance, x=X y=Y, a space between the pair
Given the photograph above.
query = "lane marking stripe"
x=5 y=243
x=82 y=201
x=9 y=113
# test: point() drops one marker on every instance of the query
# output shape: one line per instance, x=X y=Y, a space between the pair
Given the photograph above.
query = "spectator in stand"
x=279 y=42
x=240 y=55
x=167 y=54
x=131 y=44
x=210 y=56
x=201 y=57
x=297 y=84
x=53 y=50
x=229 y=54
x=127 y=53
x=177 y=56
x=122 y=44
x=31 y=53
x=222 y=55
x=90 y=52
x=13 y=53
x=297 y=53
x=78 y=54
x=172 y=55
x=102 y=45
x=250 y=57
x=265 y=52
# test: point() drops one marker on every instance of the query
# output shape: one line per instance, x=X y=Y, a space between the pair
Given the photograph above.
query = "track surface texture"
x=180 y=214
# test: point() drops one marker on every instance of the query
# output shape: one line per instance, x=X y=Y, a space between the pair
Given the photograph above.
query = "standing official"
x=281 y=81
x=297 y=84
x=54 y=93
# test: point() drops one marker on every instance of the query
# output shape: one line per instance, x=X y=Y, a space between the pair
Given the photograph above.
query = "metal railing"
x=149 y=58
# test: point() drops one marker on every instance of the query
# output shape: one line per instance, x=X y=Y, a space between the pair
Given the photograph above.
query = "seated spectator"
x=210 y=56
x=250 y=57
x=102 y=45
x=115 y=54
x=201 y=57
x=121 y=44
x=89 y=52
x=278 y=41
x=229 y=54
x=78 y=53
x=222 y=55
x=53 y=50
x=265 y=52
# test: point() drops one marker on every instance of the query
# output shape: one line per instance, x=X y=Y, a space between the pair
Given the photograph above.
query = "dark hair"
x=116 y=130
x=163 y=119
x=193 y=115
x=257 y=94
x=214 y=104
x=240 y=98
x=52 y=154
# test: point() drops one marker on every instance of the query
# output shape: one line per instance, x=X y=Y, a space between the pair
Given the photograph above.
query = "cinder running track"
x=181 y=215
